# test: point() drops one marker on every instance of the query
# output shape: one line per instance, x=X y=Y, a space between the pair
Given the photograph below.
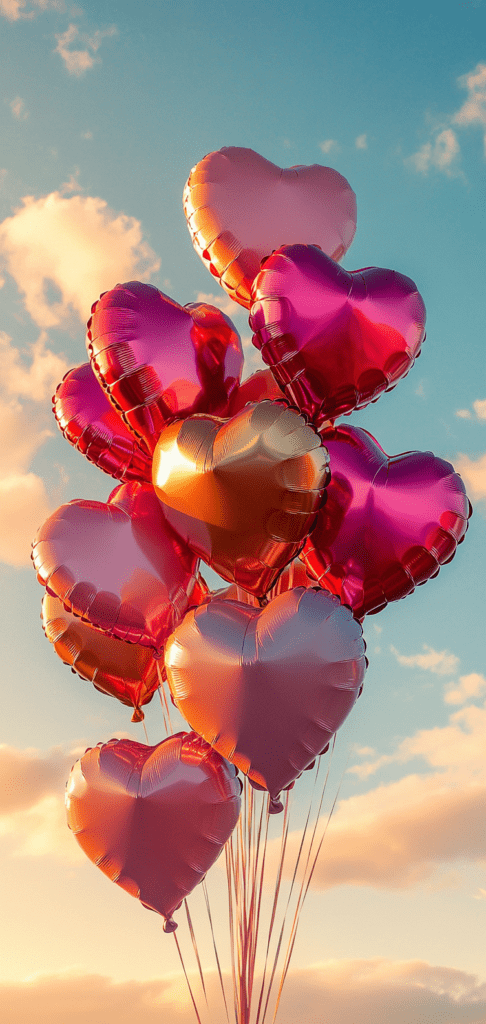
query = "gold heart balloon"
x=242 y=492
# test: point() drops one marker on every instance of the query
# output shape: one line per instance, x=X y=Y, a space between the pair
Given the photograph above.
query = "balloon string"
x=231 y=918
x=145 y=730
x=196 y=951
x=163 y=699
x=208 y=908
x=187 y=978
x=283 y=845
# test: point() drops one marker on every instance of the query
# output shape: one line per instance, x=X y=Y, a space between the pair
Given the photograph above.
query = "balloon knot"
x=275 y=806
x=138 y=715
x=170 y=925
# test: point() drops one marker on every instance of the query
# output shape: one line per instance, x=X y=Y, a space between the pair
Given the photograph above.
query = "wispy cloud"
x=13 y=10
x=79 y=58
x=440 y=154
x=443 y=663
x=329 y=146
x=17 y=106
x=473 y=472
x=442 y=151
x=361 y=141
x=473 y=110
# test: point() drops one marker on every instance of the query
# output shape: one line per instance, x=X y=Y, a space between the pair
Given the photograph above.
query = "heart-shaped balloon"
x=267 y=688
x=294 y=575
x=158 y=360
x=334 y=340
x=243 y=493
x=260 y=386
x=240 y=207
x=153 y=819
x=389 y=522
x=125 y=671
x=119 y=565
x=90 y=423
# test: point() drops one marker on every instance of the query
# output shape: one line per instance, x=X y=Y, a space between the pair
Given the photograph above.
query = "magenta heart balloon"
x=90 y=423
x=158 y=360
x=119 y=566
x=389 y=522
x=240 y=207
x=153 y=819
x=334 y=340
x=268 y=688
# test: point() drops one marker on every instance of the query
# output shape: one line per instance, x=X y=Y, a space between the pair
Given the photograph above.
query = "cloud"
x=75 y=245
x=479 y=407
x=77 y=61
x=473 y=110
x=350 y=990
x=473 y=472
x=329 y=146
x=222 y=302
x=36 y=381
x=17 y=106
x=15 y=9
x=361 y=141
x=24 y=505
x=469 y=687
x=253 y=358
x=442 y=663
x=441 y=154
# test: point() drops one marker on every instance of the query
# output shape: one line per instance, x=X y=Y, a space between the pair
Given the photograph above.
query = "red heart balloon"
x=158 y=360
x=240 y=207
x=153 y=819
x=267 y=688
x=90 y=423
x=257 y=388
x=334 y=340
x=389 y=522
x=119 y=566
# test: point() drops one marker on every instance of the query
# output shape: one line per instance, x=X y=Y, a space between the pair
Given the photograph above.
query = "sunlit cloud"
x=75 y=246
x=473 y=472
x=468 y=688
x=441 y=154
x=17 y=106
x=479 y=411
x=33 y=375
x=222 y=302
x=361 y=141
x=15 y=9
x=442 y=151
x=78 y=60
x=473 y=110
x=442 y=663
x=329 y=146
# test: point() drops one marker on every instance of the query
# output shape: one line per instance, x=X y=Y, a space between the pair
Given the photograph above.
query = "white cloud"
x=469 y=687
x=441 y=154
x=464 y=414
x=17 y=106
x=76 y=244
x=222 y=302
x=24 y=506
x=361 y=141
x=77 y=61
x=36 y=381
x=15 y=9
x=443 y=663
x=473 y=110
x=473 y=472
x=329 y=146
x=479 y=407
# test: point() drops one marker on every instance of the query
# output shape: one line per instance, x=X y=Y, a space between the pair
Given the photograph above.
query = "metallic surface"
x=240 y=207
x=334 y=340
x=257 y=388
x=243 y=493
x=90 y=422
x=119 y=565
x=158 y=360
x=389 y=522
x=153 y=819
x=267 y=687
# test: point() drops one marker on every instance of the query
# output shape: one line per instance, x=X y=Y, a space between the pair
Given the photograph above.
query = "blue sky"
x=104 y=109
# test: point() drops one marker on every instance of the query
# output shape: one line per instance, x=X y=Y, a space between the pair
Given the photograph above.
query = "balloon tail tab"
x=170 y=925
x=275 y=806
x=138 y=715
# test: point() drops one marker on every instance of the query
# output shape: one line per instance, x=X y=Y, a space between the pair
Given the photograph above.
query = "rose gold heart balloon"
x=118 y=565
x=158 y=360
x=125 y=671
x=90 y=423
x=240 y=207
x=267 y=688
x=243 y=493
x=153 y=819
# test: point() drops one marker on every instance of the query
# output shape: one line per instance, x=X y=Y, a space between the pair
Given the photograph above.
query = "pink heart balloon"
x=267 y=688
x=334 y=340
x=119 y=566
x=158 y=360
x=90 y=422
x=240 y=207
x=153 y=819
x=389 y=522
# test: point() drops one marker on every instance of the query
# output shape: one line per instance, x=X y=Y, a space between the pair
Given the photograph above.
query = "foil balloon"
x=334 y=340
x=158 y=360
x=294 y=575
x=119 y=565
x=268 y=688
x=240 y=207
x=90 y=422
x=153 y=819
x=125 y=671
x=389 y=522
x=260 y=386
x=243 y=493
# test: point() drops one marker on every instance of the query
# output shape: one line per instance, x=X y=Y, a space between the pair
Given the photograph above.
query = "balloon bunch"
x=311 y=524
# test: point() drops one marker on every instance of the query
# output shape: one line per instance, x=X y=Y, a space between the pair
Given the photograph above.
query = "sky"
x=104 y=110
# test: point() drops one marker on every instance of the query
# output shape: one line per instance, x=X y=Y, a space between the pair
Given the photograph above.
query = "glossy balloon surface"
x=158 y=360
x=243 y=493
x=260 y=386
x=91 y=423
x=153 y=819
x=118 y=565
x=240 y=207
x=389 y=522
x=125 y=671
x=334 y=340
x=267 y=688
